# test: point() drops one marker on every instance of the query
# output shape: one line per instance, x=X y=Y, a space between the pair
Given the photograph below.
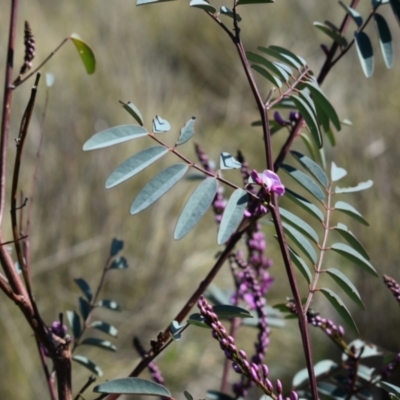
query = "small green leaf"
x=133 y=165
x=104 y=327
x=351 y=211
x=227 y=311
x=346 y=285
x=340 y=307
x=116 y=246
x=91 y=366
x=331 y=391
x=395 y=4
x=144 y=2
x=244 y=2
x=337 y=173
x=282 y=56
x=385 y=40
x=85 y=52
x=215 y=395
x=267 y=75
x=160 y=125
x=351 y=239
x=203 y=4
x=197 y=320
x=309 y=117
x=276 y=69
x=301 y=242
x=187 y=131
x=103 y=344
x=312 y=167
x=232 y=215
x=354 y=256
x=355 y=15
x=332 y=33
x=216 y=295
x=75 y=323
x=187 y=395
x=390 y=388
x=309 y=144
x=119 y=263
x=158 y=186
x=197 y=205
x=324 y=367
x=84 y=308
x=228 y=12
x=306 y=205
x=132 y=386
x=227 y=161
x=365 y=53
x=288 y=53
x=359 y=187
x=305 y=181
x=299 y=224
x=331 y=137
x=84 y=286
x=133 y=110
x=110 y=304
x=115 y=135
x=301 y=265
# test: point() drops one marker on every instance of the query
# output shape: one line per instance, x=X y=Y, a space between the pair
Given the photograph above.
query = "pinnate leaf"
x=227 y=161
x=337 y=173
x=116 y=246
x=355 y=15
x=187 y=131
x=351 y=239
x=104 y=327
x=84 y=286
x=244 y=2
x=132 y=386
x=306 y=205
x=355 y=257
x=228 y=12
x=160 y=125
x=84 y=308
x=282 y=56
x=395 y=4
x=351 y=211
x=103 y=344
x=340 y=307
x=301 y=265
x=133 y=110
x=203 y=4
x=347 y=286
x=197 y=205
x=267 y=75
x=91 y=366
x=299 y=224
x=158 y=186
x=119 y=263
x=75 y=323
x=365 y=53
x=115 y=135
x=301 y=242
x=133 y=165
x=110 y=304
x=385 y=40
x=312 y=167
x=390 y=388
x=85 y=52
x=358 y=188
x=232 y=215
x=332 y=33
x=227 y=311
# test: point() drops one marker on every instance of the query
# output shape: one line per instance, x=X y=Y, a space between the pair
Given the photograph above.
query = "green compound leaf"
x=351 y=239
x=203 y=4
x=385 y=40
x=197 y=319
x=284 y=56
x=84 y=308
x=227 y=311
x=306 y=205
x=301 y=242
x=301 y=265
x=110 y=304
x=341 y=309
x=390 y=388
x=351 y=211
x=227 y=161
x=228 y=12
x=133 y=110
x=395 y=4
x=197 y=205
x=354 y=256
x=309 y=116
x=288 y=53
x=332 y=33
x=244 y=2
x=85 y=52
x=103 y=344
x=355 y=15
x=75 y=323
x=160 y=125
x=132 y=386
x=337 y=173
x=116 y=246
x=119 y=263
x=267 y=75
x=309 y=144
x=84 y=286
x=365 y=53
x=91 y=366
x=276 y=69
x=133 y=165
x=187 y=131
x=320 y=98
x=358 y=188
x=312 y=167
x=232 y=215
x=299 y=224
x=104 y=327
x=115 y=135
x=346 y=285
x=305 y=181
x=158 y=186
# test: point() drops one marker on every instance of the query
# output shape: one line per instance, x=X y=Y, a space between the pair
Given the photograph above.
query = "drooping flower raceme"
x=268 y=180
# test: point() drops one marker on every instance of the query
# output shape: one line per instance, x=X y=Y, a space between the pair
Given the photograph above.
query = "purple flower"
x=269 y=180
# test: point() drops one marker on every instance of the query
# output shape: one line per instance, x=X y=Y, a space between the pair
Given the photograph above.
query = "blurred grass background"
x=174 y=61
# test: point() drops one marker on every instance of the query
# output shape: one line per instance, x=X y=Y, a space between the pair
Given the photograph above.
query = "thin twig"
x=49 y=378
x=90 y=380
